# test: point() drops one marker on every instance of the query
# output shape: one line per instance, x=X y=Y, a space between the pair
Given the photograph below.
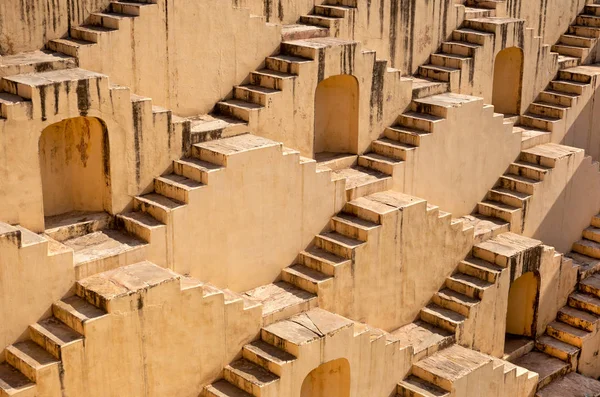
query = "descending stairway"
x=505 y=206
x=580 y=40
x=264 y=361
x=557 y=352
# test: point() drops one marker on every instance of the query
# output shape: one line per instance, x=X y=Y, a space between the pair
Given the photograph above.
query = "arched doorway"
x=331 y=379
x=508 y=81
x=336 y=115
x=75 y=168
x=521 y=315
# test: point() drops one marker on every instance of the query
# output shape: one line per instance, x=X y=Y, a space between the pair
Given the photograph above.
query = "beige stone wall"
x=32 y=276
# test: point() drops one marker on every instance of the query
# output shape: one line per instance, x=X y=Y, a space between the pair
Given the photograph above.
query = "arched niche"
x=75 y=166
x=331 y=379
x=523 y=297
x=336 y=115
x=508 y=81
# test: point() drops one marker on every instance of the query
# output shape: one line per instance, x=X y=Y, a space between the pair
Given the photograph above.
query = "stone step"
x=378 y=162
x=23 y=85
x=508 y=249
x=408 y=136
x=538 y=121
x=417 y=387
x=451 y=61
x=238 y=109
x=460 y=48
x=588 y=20
x=578 y=75
x=352 y=226
x=471 y=286
x=592 y=9
x=140 y=225
x=338 y=244
x=303 y=329
x=250 y=377
x=549 y=368
x=267 y=356
x=333 y=11
x=577 y=41
x=392 y=149
x=133 y=8
x=91 y=33
x=572 y=384
x=301 y=32
x=320 y=20
x=425 y=338
x=419 y=121
x=52 y=334
x=361 y=181
x=305 y=278
x=449 y=365
x=590 y=285
x=528 y=169
x=76 y=313
x=196 y=169
x=508 y=213
x=13 y=106
x=516 y=346
x=322 y=261
x=422 y=87
x=255 y=94
x=480 y=269
x=592 y=233
x=35 y=62
x=517 y=183
x=455 y=301
x=157 y=205
x=76 y=224
x=508 y=197
x=578 y=318
x=109 y=20
x=471 y=36
x=559 y=98
x=286 y=63
x=566 y=333
x=570 y=50
x=222 y=388
x=281 y=300
x=29 y=358
x=569 y=87
x=547 y=155
x=441 y=73
x=176 y=187
x=556 y=348
x=105 y=250
x=587 y=247
x=548 y=109
x=14 y=384
x=441 y=317
x=584 y=301
x=584 y=31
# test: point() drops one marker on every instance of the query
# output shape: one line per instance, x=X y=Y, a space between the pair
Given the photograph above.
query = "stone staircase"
x=550 y=109
x=154 y=213
x=505 y=206
x=271 y=357
x=34 y=367
x=442 y=321
x=337 y=16
x=580 y=40
x=452 y=371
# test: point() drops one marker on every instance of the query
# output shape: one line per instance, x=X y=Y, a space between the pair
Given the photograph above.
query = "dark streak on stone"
x=321 y=65
x=136 y=107
x=83 y=96
x=105 y=153
x=56 y=87
x=186 y=144
x=43 y=101
x=376 y=100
